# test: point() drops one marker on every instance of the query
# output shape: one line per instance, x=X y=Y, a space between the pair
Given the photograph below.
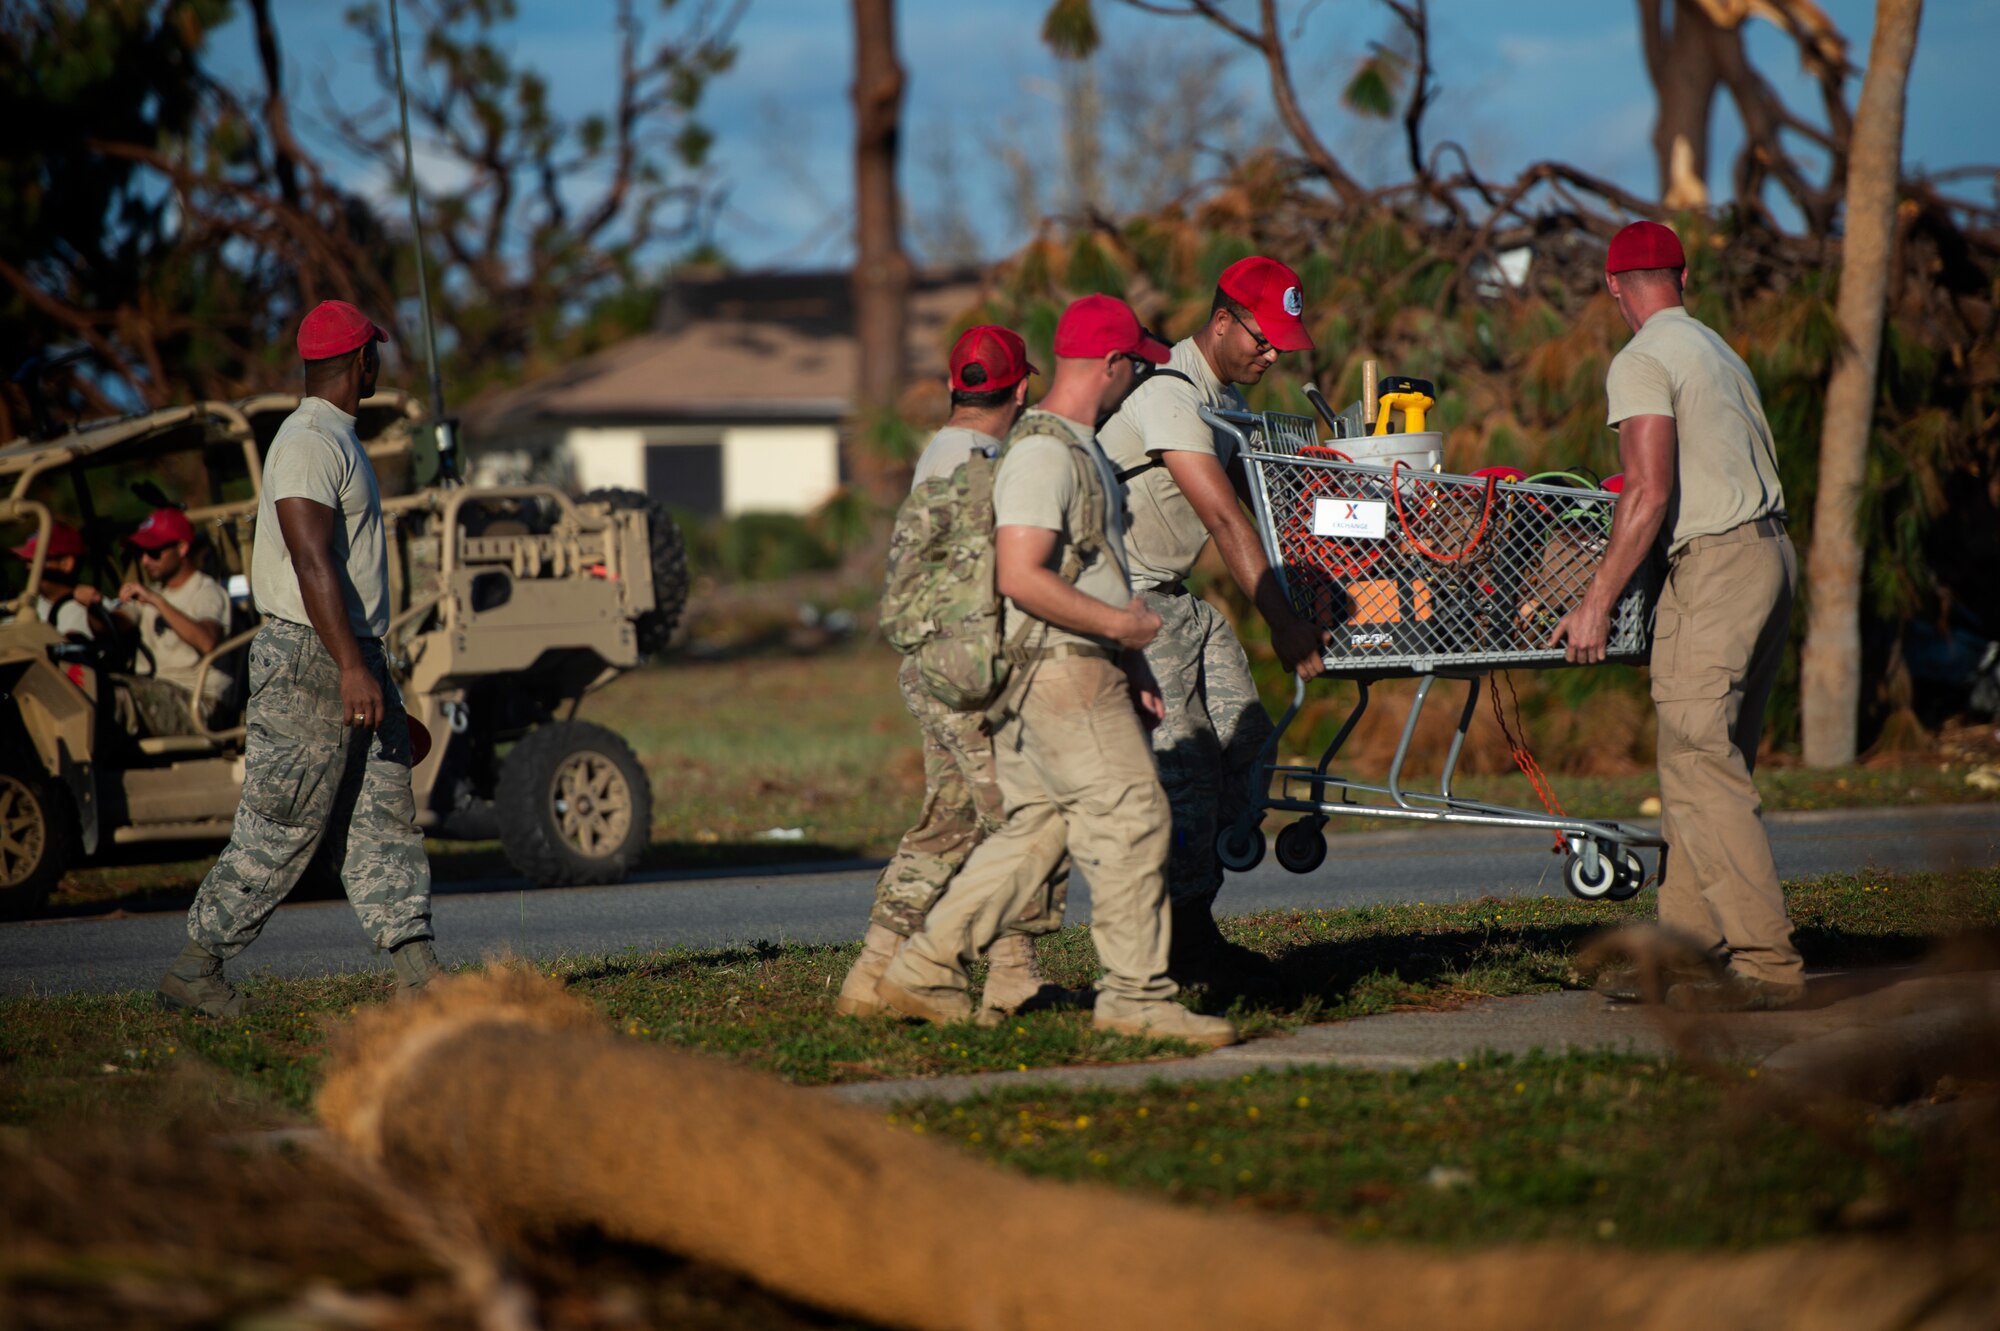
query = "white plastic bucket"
x=1423 y=450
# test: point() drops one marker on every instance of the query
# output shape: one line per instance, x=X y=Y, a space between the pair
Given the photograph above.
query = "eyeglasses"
x=1140 y=365
x=1263 y=348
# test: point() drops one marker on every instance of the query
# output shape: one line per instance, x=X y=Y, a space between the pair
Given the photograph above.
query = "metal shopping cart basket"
x=1430 y=576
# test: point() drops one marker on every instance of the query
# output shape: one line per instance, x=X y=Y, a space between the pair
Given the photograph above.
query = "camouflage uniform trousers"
x=962 y=807
x=145 y=705
x=1214 y=730
x=316 y=787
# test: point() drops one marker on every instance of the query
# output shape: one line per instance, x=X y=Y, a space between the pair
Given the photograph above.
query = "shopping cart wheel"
x=1302 y=845
x=1581 y=883
x=1631 y=874
x=1240 y=849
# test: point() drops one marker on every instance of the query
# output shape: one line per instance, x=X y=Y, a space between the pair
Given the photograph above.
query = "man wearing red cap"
x=1187 y=489
x=1071 y=754
x=1701 y=476
x=962 y=800
x=327 y=757
x=180 y=613
x=59 y=600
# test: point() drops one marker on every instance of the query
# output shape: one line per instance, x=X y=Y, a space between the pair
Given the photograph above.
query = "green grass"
x=769 y=1006
x=821 y=744
x=1584 y=1148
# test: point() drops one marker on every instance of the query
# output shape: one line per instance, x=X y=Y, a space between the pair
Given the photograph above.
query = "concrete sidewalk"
x=1554 y=1023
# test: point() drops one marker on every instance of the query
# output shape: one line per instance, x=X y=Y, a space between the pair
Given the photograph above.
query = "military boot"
x=1161 y=1019
x=1014 y=983
x=415 y=964
x=857 y=991
x=194 y=983
x=940 y=1007
x=1199 y=957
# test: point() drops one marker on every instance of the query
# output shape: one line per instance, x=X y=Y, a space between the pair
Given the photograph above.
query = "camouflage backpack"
x=942 y=603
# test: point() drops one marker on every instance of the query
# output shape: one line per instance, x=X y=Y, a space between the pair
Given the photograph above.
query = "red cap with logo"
x=163 y=527
x=1272 y=292
x=335 y=328
x=1099 y=325
x=1644 y=245
x=988 y=358
x=63 y=540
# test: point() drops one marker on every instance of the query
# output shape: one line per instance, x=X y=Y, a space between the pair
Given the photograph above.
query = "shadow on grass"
x=1440 y=968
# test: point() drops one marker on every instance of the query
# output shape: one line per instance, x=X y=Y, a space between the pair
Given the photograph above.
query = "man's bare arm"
x=1649 y=451
x=1025 y=558
x=200 y=634
x=1215 y=501
x=308 y=530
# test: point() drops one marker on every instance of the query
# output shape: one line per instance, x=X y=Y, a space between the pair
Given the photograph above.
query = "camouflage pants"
x=148 y=706
x=315 y=787
x=1215 y=727
x=962 y=807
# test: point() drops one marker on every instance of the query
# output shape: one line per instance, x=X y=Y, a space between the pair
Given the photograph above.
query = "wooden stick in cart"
x=1368 y=397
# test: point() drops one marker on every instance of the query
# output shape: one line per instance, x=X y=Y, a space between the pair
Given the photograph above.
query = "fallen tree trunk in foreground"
x=507 y=1101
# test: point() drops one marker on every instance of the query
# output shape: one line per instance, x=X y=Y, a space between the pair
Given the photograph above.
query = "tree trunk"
x=1830 y=677
x=881 y=269
x=1682 y=62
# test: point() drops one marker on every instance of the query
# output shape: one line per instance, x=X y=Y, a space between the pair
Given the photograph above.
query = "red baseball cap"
x=1272 y=292
x=163 y=527
x=63 y=540
x=998 y=355
x=1644 y=245
x=1099 y=325
x=335 y=328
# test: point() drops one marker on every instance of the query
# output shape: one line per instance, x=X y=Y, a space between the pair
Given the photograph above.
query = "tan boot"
x=941 y=1007
x=1012 y=976
x=194 y=983
x=857 y=991
x=1162 y=1019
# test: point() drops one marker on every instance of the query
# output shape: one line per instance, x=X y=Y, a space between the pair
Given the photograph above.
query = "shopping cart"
x=1425 y=575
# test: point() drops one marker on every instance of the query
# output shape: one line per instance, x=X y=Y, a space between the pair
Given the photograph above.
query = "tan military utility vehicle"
x=509 y=605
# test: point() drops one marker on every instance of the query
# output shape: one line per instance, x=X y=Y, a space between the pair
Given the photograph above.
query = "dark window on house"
x=687 y=477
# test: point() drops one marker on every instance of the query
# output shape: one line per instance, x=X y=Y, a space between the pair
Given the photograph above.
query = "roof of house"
x=776 y=347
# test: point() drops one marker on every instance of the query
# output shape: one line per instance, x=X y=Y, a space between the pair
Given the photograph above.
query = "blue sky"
x=1559 y=79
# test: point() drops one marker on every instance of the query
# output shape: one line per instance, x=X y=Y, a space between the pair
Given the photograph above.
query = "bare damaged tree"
x=1071 y=30
x=158 y=216
x=539 y=215
x=1830 y=667
x=881 y=268
x=1694 y=50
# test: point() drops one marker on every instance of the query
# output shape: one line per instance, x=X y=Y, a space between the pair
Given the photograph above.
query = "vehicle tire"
x=1301 y=845
x=574 y=806
x=37 y=828
x=670 y=571
x=1583 y=884
x=1238 y=851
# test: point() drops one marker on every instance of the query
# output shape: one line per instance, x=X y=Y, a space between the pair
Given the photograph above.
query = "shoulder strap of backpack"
x=1152 y=462
x=1090 y=539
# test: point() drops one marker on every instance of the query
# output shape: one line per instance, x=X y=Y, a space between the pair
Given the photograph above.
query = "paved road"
x=667 y=910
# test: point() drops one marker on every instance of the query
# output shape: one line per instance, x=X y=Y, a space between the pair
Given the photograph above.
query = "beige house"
x=735 y=403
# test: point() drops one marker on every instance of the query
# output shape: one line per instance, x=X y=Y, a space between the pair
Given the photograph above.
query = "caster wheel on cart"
x=1631 y=875
x=1302 y=845
x=1591 y=887
x=1240 y=849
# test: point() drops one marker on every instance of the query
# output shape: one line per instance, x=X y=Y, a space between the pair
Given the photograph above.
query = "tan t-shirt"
x=1037 y=486
x=1678 y=366
x=317 y=456
x=1161 y=416
x=174 y=657
x=947 y=449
